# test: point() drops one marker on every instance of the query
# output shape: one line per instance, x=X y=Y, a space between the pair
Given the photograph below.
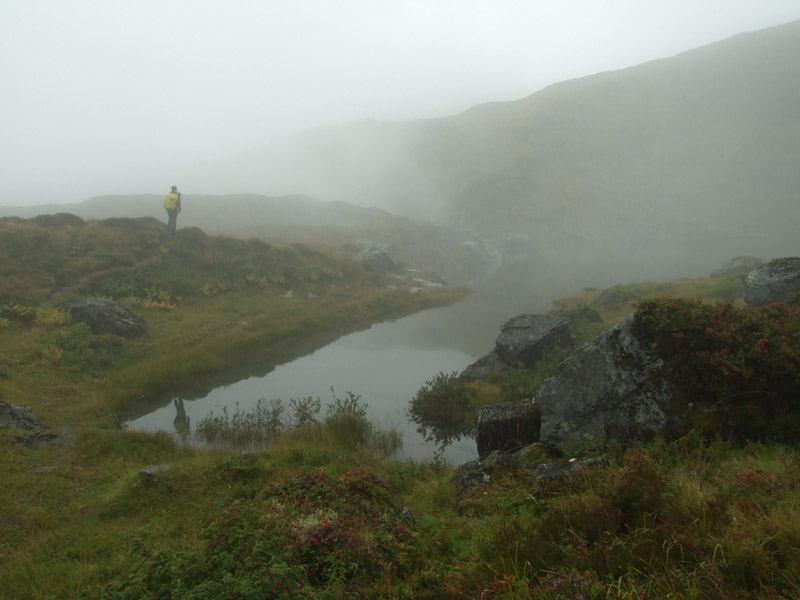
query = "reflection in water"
x=386 y=365
x=442 y=410
x=181 y=421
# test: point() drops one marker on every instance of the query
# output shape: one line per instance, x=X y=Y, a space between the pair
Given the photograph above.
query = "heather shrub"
x=737 y=369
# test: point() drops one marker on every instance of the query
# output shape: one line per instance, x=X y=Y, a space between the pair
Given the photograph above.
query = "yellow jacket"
x=172 y=201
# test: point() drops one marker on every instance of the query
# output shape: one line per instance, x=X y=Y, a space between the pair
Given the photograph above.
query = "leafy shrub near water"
x=242 y=429
x=739 y=367
x=346 y=419
x=442 y=408
x=346 y=425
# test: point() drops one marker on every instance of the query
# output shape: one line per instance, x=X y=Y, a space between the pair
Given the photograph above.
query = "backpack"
x=171 y=201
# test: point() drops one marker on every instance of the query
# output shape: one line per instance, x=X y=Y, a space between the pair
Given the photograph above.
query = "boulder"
x=776 y=281
x=506 y=427
x=479 y=473
x=523 y=340
x=18 y=417
x=380 y=257
x=107 y=316
x=738 y=265
x=540 y=466
x=485 y=366
x=615 y=297
x=606 y=390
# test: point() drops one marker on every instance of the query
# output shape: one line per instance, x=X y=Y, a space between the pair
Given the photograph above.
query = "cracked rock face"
x=608 y=389
x=776 y=281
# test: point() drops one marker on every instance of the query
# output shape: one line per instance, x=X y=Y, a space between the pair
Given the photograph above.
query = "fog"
x=120 y=98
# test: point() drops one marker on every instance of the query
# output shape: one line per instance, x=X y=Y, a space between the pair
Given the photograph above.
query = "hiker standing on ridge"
x=173 y=205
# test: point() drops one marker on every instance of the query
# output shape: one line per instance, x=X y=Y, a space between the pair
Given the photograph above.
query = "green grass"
x=318 y=508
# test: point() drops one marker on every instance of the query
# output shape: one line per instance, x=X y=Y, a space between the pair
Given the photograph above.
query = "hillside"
x=687 y=160
x=53 y=257
x=457 y=255
x=319 y=508
x=661 y=170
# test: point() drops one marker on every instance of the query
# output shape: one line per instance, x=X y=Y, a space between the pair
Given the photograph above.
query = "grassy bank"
x=320 y=509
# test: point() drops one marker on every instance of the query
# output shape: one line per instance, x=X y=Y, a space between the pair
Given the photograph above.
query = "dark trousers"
x=172 y=223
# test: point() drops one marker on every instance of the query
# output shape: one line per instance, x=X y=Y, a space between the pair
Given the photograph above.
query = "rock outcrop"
x=606 y=390
x=506 y=426
x=776 y=281
x=107 y=316
x=523 y=340
x=380 y=257
x=542 y=466
x=738 y=265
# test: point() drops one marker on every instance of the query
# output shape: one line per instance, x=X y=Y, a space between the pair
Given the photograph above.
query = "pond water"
x=385 y=365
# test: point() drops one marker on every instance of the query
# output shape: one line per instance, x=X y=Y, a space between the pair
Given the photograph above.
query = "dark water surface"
x=385 y=365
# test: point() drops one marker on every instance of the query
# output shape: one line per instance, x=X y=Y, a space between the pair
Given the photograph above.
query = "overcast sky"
x=119 y=96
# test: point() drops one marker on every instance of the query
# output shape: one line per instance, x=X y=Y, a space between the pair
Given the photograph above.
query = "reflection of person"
x=172 y=203
x=181 y=421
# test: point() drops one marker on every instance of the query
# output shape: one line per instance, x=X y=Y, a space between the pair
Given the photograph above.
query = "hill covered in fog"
x=687 y=160
x=664 y=169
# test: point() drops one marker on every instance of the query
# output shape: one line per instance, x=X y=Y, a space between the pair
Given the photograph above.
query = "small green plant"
x=52 y=317
x=158 y=298
x=517 y=384
x=257 y=281
x=346 y=419
x=305 y=410
x=49 y=355
x=212 y=288
x=19 y=311
x=242 y=429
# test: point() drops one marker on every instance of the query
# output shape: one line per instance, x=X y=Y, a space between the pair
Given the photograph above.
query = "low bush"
x=737 y=369
x=242 y=429
x=442 y=409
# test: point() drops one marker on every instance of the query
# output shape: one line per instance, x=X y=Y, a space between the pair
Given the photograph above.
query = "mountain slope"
x=686 y=157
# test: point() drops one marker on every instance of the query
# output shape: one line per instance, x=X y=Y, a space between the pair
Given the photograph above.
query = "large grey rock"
x=485 y=366
x=107 y=316
x=506 y=426
x=608 y=389
x=776 y=281
x=380 y=257
x=523 y=340
x=738 y=264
